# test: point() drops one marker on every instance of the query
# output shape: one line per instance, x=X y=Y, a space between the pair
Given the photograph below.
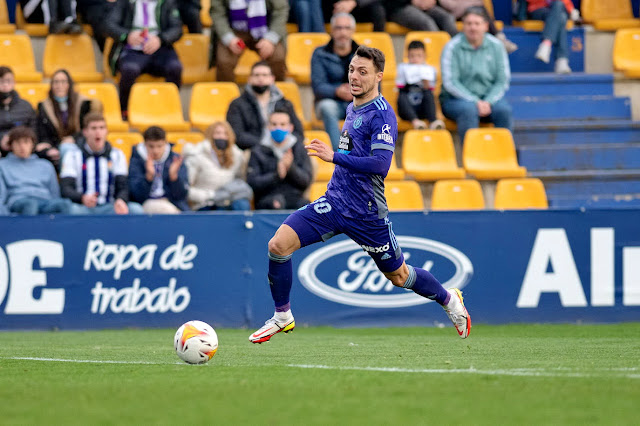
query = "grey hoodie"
x=29 y=177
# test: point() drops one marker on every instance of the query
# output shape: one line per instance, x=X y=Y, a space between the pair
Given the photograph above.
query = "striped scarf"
x=249 y=16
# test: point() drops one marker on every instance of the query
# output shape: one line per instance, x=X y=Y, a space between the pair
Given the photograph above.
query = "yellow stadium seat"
x=156 y=104
x=526 y=193
x=125 y=141
x=243 y=67
x=323 y=170
x=210 y=102
x=317 y=190
x=5 y=25
x=300 y=47
x=535 y=25
x=72 y=52
x=457 y=194
x=179 y=139
x=434 y=42
x=490 y=153
x=395 y=173
x=383 y=42
x=361 y=27
x=395 y=29
x=34 y=93
x=610 y=15
x=291 y=91
x=205 y=13
x=429 y=155
x=403 y=195
x=193 y=51
x=626 y=51
x=16 y=52
x=108 y=95
x=33 y=30
x=390 y=93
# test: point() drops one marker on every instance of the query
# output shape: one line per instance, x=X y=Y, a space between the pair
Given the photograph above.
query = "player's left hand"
x=322 y=150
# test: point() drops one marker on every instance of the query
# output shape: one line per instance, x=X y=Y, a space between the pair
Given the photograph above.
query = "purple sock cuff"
x=447 y=299
x=283 y=308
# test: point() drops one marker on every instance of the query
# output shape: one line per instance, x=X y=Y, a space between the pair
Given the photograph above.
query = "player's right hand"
x=322 y=150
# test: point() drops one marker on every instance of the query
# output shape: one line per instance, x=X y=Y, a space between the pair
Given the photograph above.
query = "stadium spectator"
x=94 y=176
x=58 y=14
x=31 y=183
x=416 y=80
x=308 y=15
x=216 y=169
x=362 y=10
x=93 y=13
x=457 y=8
x=259 y=25
x=157 y=176
x=279 y=169
x=421 y=15
x=14 y=111
x=248 y=114
x=555 y=15
x=329 y=80
x=190 y=15
x=475 y=76
x=144 y=40
x=60 y=116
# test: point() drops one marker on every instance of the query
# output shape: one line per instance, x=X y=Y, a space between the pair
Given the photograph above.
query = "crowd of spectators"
x=256 y=157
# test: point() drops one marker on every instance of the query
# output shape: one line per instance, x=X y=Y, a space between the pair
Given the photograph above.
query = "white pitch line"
x=504 y=372
x=83 y=361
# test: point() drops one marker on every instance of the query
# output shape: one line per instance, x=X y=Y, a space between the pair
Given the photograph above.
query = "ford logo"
x=361 y=284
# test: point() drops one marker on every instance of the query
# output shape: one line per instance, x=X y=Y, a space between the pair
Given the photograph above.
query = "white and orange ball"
x=195 y=342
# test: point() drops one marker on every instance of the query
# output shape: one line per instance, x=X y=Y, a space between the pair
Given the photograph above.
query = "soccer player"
x=354 y=204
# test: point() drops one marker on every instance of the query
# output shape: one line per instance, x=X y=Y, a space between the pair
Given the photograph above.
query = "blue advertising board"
x=76 y=272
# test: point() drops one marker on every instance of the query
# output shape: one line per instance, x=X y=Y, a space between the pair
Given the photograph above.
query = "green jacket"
x=474 y=74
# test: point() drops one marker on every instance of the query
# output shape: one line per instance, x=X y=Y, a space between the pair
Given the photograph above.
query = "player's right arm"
x=378 y=163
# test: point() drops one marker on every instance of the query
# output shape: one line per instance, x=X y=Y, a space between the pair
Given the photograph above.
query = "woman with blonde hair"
x=216 y=168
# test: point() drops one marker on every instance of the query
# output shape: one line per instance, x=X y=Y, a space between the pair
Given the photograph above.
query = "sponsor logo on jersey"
x=346 y=144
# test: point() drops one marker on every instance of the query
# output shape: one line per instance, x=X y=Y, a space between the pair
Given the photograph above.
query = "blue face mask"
x=279 y=135
x=61 y=98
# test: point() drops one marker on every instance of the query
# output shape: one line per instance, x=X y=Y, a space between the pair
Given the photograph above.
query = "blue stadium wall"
x=110 y=272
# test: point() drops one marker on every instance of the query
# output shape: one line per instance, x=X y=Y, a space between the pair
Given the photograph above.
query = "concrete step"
x=600 y=107
x=522 y=60
x=580 y=157
x=552 y=84
x=547 y=132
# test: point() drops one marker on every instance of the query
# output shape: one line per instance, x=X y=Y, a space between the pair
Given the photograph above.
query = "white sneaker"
x=562 y=66
x=544 y=52
x=272 y=326
x=508 y=44
x=437 y=125
x=458 y=313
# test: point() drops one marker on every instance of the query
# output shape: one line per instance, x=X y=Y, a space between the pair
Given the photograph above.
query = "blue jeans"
x=241 y=204
x=81 y=209
x=465 y=114
x=331 y=111
x=30 y=206
x=555 y=26
x=308 y=15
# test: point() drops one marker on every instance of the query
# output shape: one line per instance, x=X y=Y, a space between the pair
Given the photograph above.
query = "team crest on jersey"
x=346 y=143
x=358 y=122
x=386 y=134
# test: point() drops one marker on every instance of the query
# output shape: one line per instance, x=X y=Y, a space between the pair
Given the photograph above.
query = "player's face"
x=155 y=149
x=22 y=148
x=363 y=78
x=96 y=135
x=474 y=28
x=416 y=56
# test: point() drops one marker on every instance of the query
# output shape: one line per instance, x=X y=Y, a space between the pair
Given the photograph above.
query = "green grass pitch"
x=516 y=374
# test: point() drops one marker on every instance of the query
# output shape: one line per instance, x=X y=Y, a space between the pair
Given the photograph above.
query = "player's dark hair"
x=476 y=10
x=416 y=44
x=4 y=70
x=154 y=133
x=21 y=132
x=374 y=54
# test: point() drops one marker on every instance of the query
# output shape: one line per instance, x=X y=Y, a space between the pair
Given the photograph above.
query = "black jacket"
x=246 y=119
x=262 y=176
x=47 y=124
x=119 y=23
x=17 y=113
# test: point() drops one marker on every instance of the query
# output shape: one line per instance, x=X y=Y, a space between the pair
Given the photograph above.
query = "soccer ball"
x=195 y=342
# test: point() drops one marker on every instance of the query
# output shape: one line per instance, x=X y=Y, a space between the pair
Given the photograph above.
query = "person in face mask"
x=14 y=111
x=248 y=114
x=60 y=116
x=279 y=168
x=216 y=169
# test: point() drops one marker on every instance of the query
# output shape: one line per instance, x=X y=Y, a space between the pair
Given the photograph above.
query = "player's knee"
x=398 y=278
x=279 y=247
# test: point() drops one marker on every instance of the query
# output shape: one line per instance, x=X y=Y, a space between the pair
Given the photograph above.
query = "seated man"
x=475 y=76
x=94 y=176
x=15 y=110
x=249 y=113
x=249 y=24
x=31 y=183
x=144 y=40
x=157 y=178
x=279 y=168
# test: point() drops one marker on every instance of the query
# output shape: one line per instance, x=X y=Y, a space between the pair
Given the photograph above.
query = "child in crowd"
x=416 y=81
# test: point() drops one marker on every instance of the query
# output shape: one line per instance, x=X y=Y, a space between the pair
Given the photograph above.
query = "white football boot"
x=458 y=313
x=273 y=326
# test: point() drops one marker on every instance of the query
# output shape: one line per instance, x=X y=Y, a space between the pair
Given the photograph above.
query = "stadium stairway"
x=572 y=132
